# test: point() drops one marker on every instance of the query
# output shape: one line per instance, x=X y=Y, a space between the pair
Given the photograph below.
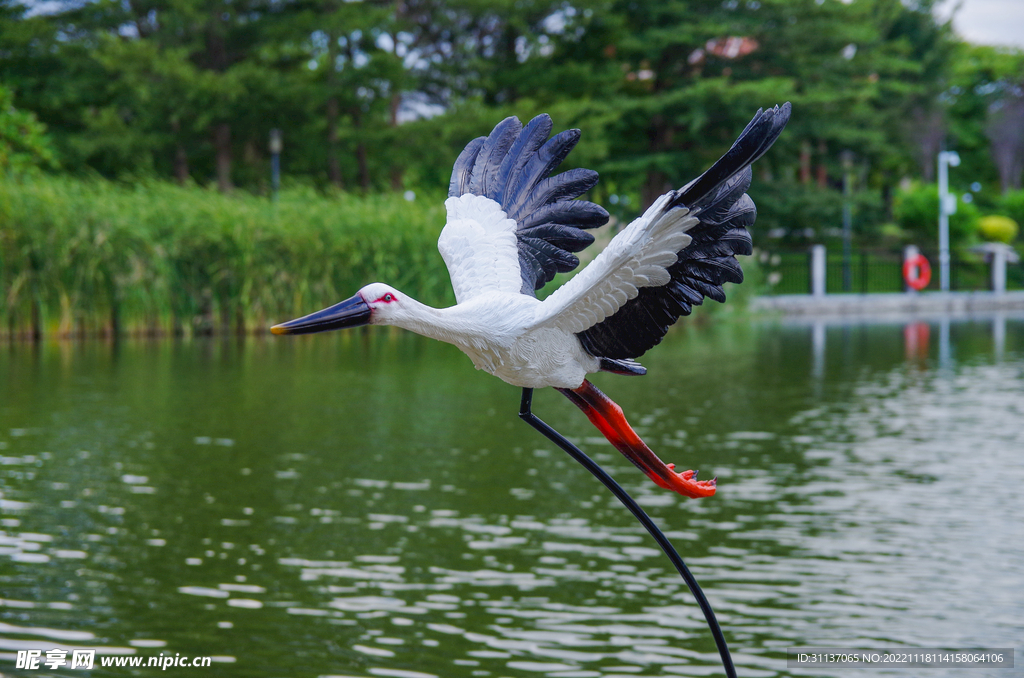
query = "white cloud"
x=988 y=22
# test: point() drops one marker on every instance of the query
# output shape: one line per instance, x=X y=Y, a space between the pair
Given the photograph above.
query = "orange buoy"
x=917 y=272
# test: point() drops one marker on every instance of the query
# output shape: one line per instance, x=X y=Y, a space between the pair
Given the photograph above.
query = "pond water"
x=369 y=505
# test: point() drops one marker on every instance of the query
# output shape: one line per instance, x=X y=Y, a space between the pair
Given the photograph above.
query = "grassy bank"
x=92 y=257
x=88 y=258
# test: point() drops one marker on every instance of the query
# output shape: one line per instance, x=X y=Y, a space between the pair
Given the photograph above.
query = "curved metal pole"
x=554 y=436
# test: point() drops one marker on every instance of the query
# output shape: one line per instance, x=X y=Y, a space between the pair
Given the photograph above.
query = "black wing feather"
x=562 y=261
x=529 y=265
x=724 y=211
x=525 y=147
x=561 y=187
x=512 y=166
x=544 y=161
x=569 y=238
x=494 y=150
x=463 y=169
x=580 y=213
x=753 y=142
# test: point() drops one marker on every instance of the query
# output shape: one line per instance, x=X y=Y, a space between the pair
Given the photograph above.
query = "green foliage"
x=23 y=142
x=795 y=207
x=854 y=71
x=917 y=212
x=187 y=90
x=83 y=256
x=981 y=79
x=176 y=89
x=995 y=228
x=1011 y=204
x=802 y=211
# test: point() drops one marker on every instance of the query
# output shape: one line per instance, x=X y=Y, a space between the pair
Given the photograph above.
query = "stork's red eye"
x=388 y=297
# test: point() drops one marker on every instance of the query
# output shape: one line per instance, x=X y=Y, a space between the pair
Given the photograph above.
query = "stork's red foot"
x=608 y=418
x=686 y=483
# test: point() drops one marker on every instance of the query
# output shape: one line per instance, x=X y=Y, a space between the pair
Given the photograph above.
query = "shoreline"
x=894 y=305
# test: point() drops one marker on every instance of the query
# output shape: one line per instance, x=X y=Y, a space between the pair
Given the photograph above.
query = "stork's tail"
x=608 y=418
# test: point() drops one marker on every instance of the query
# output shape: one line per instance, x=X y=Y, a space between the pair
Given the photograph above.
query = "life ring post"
x=917 y=272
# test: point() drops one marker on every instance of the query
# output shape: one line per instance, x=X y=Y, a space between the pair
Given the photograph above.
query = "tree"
x=985 y=116
x=23 y=141
x=1005 y=129
x=191 y=88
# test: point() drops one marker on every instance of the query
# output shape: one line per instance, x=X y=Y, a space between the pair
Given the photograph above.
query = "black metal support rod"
x=527 y=415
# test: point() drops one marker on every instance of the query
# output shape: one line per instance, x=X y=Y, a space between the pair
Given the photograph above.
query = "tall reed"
x=80 y=257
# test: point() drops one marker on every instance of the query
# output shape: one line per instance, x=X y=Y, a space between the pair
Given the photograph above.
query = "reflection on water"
x=371 y=506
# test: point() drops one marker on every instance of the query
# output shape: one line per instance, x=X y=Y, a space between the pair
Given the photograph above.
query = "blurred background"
x=177 y=175
x=123 y=124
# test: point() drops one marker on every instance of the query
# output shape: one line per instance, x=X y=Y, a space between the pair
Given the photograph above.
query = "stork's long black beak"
x=352 y=312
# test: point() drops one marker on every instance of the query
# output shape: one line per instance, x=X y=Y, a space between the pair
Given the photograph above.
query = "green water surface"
x=370 y=505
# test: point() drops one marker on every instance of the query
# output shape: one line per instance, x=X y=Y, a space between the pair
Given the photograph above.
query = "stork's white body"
x=497 y=331
x=524 y=341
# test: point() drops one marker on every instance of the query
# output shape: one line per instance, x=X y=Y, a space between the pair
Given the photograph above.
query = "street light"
x=847 y=159
x=947 y=206
x=276 y=145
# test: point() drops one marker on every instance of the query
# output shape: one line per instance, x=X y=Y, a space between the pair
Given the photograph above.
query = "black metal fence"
x=876 y=271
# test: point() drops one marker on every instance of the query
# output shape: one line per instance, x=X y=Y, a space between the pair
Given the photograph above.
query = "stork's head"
x=375 y=304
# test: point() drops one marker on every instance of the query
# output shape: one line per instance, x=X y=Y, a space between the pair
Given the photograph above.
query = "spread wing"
x=512 y=227
x=667 y=261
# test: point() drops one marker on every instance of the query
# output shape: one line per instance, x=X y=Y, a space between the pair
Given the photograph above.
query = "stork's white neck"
x=417 y=317
x=487 y=320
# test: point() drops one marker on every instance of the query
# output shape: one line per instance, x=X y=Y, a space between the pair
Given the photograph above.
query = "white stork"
x=511 y=227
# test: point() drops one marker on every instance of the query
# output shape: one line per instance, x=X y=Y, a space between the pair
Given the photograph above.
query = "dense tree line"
x=381 y=94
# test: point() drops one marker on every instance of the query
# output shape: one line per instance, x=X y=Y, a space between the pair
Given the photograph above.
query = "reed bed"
x=91 y=257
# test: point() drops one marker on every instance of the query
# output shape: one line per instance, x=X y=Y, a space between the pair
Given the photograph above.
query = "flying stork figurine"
x=511 y=227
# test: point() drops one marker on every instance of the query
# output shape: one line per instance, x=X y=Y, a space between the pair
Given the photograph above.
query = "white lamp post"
x=847 y=159
x=947 y=206
x=276 y=146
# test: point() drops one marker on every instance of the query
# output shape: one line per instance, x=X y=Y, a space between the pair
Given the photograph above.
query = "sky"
x=989 y=22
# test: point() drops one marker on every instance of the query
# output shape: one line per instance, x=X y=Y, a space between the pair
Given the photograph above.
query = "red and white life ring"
x=917 y=272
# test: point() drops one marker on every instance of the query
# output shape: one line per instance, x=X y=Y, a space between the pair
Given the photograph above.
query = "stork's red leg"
x=608 y=418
